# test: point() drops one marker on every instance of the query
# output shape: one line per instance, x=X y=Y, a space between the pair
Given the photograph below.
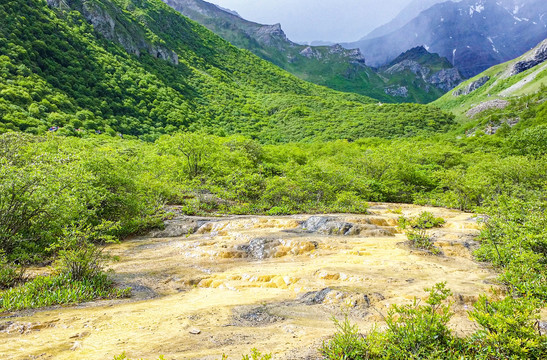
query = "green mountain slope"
x=420 y=75
x=497 y=86
x=332 y=66
x=140 y=68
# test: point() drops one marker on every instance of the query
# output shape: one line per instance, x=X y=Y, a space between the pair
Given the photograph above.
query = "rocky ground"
x=207 y=286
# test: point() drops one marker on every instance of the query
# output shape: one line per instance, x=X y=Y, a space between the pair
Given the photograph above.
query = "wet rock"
x=5 y=326
x=181 y=226
x=326 y=225
x=258 y=316
x=260 y=248
x=263 y=248
x=333 y=298
x=331 y=226
x=315 y=297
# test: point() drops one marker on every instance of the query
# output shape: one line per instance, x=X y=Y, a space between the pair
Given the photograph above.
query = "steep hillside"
x=420 y=75
x=331 y=66
x=495 y=87
x=139 y=68
x=473 y=34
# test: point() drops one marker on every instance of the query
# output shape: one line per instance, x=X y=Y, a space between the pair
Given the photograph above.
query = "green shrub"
x=79 y=257
x=509 y=328
x=346 y=343
x=419 y=331
x=416 y=230
x=279 y=210
x=10 y=274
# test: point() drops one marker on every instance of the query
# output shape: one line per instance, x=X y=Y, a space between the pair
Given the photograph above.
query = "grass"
x=59 y=290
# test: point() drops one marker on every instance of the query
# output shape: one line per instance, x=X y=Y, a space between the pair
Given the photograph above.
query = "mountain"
x=408 y=13
x=140 y=69
x=420 y=75
x=473 y=34
x=496 y=87
x=328 y=65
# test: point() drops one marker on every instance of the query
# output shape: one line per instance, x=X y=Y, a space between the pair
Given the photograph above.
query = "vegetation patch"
x=416 y=230
x=507 y=330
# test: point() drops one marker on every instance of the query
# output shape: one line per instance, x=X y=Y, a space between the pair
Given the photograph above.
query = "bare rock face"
x=400 y=91
x=270 y=34
x=311 y=53
x=411 y=65
x=471 y=87
x=357 y=56
x=446 y=79
x=103 y=21
x=537 y=57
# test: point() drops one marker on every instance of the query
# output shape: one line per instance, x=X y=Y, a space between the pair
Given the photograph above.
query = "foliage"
x=10 y=273
x=58 y=290
x=515 y=240
x=346 y=343
x=417 y=331
x=509 y=328
x=78 y=256
x=507 y=331
x=81 y=83
x=416 y=230
x=50 y=185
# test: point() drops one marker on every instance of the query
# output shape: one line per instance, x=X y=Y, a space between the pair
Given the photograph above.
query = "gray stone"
x=400 y=91
x=538 y=56
x=466 y=90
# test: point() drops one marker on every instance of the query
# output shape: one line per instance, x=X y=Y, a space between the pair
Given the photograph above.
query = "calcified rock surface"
x=207 y=286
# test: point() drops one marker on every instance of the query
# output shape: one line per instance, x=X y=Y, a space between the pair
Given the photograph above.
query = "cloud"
x=329 y=20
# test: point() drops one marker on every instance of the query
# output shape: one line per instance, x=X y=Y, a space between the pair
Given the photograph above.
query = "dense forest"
x=59 y=73
x=218 y=131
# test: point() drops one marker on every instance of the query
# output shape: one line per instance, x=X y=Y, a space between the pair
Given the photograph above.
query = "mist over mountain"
x=408 y=13
x=472 y=34
x=326 y=64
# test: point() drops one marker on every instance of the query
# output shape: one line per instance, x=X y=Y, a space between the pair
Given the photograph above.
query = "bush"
x=509 y=328
x=78 y=256
x=346 y=343
x=10 y=274
x=419 y=331
x=416 y=230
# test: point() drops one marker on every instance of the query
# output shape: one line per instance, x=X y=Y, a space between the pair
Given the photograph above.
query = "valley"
x=194 y=188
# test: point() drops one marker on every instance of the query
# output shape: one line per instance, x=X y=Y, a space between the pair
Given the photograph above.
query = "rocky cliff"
x=419 y=69
x=106 y=21
x=472 y=34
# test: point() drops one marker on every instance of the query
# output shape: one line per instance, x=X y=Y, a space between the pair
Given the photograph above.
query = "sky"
x=325 y=20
